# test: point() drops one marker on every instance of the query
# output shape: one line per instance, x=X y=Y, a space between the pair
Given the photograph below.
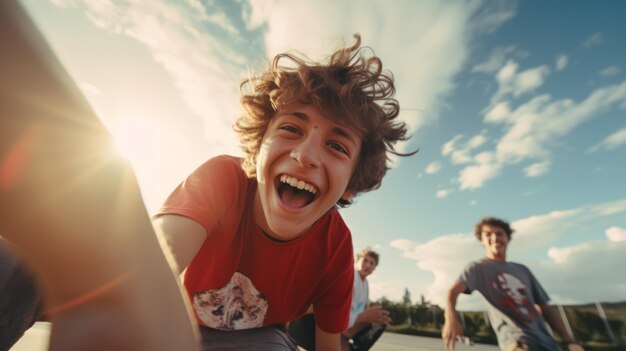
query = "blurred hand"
x=452 y=329
x=375 y=314
x=575 y=347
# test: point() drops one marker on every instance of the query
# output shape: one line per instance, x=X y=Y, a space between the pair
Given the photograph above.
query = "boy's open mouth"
x=294 y=192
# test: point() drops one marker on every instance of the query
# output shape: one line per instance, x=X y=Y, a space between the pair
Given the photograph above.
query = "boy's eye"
x=338 y=147
x=290 y=128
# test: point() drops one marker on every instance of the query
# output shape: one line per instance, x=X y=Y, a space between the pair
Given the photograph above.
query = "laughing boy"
x=260 y=239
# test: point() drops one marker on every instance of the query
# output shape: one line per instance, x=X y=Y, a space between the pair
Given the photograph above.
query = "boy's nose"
x=304 y=158
x=306 y=154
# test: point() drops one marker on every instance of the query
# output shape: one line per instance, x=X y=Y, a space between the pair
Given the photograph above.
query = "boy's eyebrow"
x=337 y=130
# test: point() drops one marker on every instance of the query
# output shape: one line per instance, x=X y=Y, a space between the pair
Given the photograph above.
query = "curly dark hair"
x=494 y=222
x=351 y=89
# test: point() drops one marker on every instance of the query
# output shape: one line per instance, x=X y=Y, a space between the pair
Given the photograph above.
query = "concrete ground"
x=401 y=342
x=36 y=339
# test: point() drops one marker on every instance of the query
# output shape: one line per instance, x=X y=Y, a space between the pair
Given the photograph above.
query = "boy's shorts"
x=258 y=339
x=302 y=330
x=20 y=299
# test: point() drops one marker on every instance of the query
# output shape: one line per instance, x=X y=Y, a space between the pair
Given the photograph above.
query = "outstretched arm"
x=556 y=323
x=452 y=327
x=73 y=209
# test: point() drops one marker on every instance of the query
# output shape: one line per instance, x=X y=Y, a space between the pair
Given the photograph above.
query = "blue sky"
x=518 y=108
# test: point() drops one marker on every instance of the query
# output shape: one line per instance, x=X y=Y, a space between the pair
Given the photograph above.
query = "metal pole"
x=408 y=315
x=566 y=321
x=606 y=321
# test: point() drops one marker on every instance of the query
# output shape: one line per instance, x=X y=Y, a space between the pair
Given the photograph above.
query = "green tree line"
x=585 y=321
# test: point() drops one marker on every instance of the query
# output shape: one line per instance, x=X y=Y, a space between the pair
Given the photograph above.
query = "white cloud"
x=535 y=127
x=537 y=169
x=493 y=14
x=609 y=71
x=517 y=84
x=484 y=157
x=473 y=177
x=443 y=193
x=450 y=145
x=444 y=26
x=261 y=11
x=496 y=60
x=536 y=231
x=561 y=62
x=433 y=167
x=460 y=153
x=498 y=113
x=541 y=120
x=401 y=244
x=205 y=68
x=608 y=209
x=379 y=288
x=476 y=141
x=611 y=142
x=593 y=40
x=616 y=234
x=461 y=156
x=586 y=273
x=444 y=257
x=484 y=169
x=562 y=255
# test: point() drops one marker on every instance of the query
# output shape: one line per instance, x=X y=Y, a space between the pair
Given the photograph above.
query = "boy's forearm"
x=452 y=328
x=451 y=299
x=72 y=208
x=124 y=318
x=351 y=332
x=556 y=323
x=180 y=237
x=327 y=341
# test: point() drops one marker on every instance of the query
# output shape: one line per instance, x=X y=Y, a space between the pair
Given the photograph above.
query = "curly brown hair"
x=367 y=251
x=494 y=222
x=351 y=89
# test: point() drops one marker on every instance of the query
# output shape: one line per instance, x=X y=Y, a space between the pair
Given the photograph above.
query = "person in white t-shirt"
x=367 y=322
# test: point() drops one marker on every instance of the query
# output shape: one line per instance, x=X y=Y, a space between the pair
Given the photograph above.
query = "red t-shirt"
x=243 y=279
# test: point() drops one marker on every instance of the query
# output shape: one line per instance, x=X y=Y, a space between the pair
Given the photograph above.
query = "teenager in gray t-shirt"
x=512 y=292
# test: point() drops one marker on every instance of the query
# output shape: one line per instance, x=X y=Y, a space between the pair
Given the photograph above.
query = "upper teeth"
x=296 y=183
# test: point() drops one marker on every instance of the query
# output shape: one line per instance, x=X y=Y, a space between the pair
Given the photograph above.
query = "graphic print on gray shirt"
x=511 y=292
